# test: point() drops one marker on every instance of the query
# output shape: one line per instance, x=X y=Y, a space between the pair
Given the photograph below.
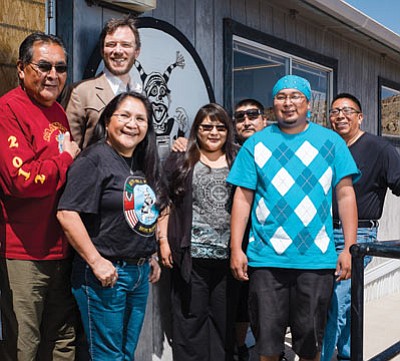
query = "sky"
x=386 y=12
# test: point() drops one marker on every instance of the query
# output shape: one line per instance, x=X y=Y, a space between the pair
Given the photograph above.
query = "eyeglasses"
x=345 y=110
x=45 y=67
x=252 y=114
x=126 y=118
x=209 y=127
x=294 y=98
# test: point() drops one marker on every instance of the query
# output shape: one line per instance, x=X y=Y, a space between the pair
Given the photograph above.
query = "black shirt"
x=95 y=189
x=379 y=163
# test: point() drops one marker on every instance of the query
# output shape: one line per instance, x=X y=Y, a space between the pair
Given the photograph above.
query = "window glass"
x=319 y=80
x=390 y=112
x=256 y=68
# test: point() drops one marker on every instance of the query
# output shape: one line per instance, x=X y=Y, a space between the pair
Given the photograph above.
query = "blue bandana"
x=293 y=82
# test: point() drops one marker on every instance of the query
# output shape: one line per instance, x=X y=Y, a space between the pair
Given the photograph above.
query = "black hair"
x=348 y=96
x=216 y=113
x=146 y=154
x=251 y=102
x=26 y=48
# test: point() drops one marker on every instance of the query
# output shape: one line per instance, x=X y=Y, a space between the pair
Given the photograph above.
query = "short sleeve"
x=345 y=165
x=391 y=159
x=83 y=188
x=244 y=171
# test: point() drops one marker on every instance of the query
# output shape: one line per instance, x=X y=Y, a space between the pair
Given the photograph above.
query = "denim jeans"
x=112 y=317
x=337 y=332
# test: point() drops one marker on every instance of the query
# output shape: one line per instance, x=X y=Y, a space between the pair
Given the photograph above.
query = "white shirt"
x=118 y=86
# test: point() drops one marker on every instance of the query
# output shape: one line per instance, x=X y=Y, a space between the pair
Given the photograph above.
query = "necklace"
x=126 y=160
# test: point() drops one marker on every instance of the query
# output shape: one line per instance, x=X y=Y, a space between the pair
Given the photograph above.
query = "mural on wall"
x=172 y=76
x=166 y=121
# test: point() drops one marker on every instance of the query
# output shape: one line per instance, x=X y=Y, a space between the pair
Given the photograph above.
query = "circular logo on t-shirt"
x=140 y=210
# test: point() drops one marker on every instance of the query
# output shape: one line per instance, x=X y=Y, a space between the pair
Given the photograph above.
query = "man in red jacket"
x=36 y=151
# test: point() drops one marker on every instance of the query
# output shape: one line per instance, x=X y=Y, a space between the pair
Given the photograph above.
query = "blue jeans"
x=112 y=317
x=337 y=331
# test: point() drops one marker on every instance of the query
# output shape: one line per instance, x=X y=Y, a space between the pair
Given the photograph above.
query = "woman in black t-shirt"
x=109 y=211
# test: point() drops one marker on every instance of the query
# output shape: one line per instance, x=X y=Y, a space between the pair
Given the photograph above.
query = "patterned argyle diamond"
x=303 y=241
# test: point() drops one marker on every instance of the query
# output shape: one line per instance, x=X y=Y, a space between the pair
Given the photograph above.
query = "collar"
x=118 y=86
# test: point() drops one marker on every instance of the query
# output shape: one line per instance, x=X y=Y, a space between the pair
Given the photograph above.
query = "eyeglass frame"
x=294 y=98
x=46 y=64
x=347 y=111
x=125 y=119
x=256 y=113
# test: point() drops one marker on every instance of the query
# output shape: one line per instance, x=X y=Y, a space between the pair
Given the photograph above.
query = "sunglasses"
x=209 y=127
x=252 y=114
x=45 y=67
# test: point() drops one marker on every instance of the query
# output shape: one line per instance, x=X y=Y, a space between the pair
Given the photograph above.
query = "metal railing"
x=388 y=249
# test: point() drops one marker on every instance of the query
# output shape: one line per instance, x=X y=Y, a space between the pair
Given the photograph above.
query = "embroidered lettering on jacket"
x=47 y=133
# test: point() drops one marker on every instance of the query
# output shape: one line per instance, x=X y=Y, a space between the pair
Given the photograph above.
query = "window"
x=389 y=110
x=256 y=68
x=254 y=61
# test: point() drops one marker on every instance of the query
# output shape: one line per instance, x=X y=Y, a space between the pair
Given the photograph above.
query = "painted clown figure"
x=155 y=85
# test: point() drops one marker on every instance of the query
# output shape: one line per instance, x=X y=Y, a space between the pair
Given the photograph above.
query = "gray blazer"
x=87 y=101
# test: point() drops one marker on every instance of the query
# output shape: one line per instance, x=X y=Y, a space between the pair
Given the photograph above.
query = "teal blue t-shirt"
x=292 y=176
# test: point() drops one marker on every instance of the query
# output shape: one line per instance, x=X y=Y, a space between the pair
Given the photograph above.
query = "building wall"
x=201 y=21
x=18 y=18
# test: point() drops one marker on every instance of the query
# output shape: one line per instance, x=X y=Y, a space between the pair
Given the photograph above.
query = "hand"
x=155 y=271
x=343 y=266
x=166 y=254
x=70 y=146
x=105 y=272
x=239 y=265
x=180 y=145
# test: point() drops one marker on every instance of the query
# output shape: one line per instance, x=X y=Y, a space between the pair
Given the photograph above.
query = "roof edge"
x=357 y=20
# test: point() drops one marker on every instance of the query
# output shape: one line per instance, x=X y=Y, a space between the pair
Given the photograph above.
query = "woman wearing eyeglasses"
x=195 y=245
x=109 y=210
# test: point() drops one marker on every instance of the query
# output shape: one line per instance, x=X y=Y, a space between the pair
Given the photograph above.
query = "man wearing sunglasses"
x=249 y=118
x=379 y=163
x=119 y=47
x=37 y=305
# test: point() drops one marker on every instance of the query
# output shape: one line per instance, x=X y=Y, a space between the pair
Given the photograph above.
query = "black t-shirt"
x=379 y=163
x=120 y=217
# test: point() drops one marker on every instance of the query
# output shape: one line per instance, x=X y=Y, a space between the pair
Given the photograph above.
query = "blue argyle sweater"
x=293 y=177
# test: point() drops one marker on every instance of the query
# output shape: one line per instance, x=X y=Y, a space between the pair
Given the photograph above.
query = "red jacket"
x=32 y=174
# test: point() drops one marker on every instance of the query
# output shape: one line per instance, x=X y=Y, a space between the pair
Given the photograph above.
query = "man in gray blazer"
x=119 y=46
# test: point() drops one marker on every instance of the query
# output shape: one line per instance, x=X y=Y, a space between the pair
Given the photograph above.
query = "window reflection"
x=256 y=68
x=390 y=111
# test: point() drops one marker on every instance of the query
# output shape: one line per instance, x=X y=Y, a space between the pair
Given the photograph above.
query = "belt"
x=362 y=223
x=130 y=261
